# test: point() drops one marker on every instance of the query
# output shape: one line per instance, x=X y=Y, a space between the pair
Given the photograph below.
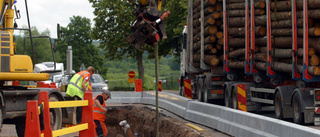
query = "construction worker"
x=99 y=112
x=126 y=128
x=77 y=86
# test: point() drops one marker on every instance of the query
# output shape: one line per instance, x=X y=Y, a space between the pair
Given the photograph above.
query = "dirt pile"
x=142 y=121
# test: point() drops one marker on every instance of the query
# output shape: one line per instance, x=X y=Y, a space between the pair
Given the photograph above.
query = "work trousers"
x=79 y=112
x=101 y=128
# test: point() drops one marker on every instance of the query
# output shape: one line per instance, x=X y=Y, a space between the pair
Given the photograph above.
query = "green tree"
x=112 y=25
x=77 y=35
x=42 y=47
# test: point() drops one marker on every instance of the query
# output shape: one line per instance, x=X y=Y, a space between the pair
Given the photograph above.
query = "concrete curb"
x=171 y=102
x=227 y=120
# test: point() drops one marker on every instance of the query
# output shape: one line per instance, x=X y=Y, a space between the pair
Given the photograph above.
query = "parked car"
x=98 y=83
x=64 y=81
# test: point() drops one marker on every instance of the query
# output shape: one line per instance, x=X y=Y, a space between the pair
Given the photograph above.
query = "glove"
x=125 y=126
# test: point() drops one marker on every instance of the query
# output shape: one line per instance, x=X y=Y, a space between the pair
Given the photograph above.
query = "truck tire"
x=55 y=114
x=20 y=123
x=206 y=94
x=1 y=120
x=226 y=98
x=298 y=116
x=182 y=93
x=199 y=91
x=234 y=99
x=278 y=106
x=181 y=85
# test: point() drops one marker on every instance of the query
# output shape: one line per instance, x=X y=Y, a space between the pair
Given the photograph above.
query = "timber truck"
x=250 y=54
x=14 y=67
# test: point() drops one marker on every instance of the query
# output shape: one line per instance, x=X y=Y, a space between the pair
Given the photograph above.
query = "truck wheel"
x=182 y=93
x=278 y=106
x=226 y=98
x=55 y=114
x=199 y=92
x=234 y=99
x=297 y=110
x=20 y=123
x=1 y=120
x=206 y=95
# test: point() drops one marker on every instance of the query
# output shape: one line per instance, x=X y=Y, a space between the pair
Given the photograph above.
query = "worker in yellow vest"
x=78 y=86
x=99 y=112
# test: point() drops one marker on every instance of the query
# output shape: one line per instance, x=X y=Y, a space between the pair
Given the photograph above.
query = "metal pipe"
x=33 y=54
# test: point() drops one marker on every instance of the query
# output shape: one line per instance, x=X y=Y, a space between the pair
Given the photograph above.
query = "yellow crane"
x=13 y=67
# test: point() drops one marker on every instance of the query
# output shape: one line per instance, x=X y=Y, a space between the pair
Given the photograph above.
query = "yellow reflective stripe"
x=62 y=104
x=39 y=110
x=241 y=92
x=242 y=106
x=75 y=85
x=187 y=85
x=69 y=130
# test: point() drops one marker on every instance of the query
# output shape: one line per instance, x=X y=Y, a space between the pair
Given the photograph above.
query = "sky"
x=47 y=13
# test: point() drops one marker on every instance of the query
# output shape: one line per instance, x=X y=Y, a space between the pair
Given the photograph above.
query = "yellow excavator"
x=13 y=67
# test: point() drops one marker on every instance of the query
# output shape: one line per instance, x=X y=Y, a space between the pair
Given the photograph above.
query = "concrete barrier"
x=227 y=120
x=123 y=97
x=171 y=102
x=239 y=123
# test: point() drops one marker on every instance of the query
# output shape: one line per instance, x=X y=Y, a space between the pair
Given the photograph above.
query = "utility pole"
x=157 y=106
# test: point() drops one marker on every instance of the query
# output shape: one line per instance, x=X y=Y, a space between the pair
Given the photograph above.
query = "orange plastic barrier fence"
x=33 y=123
x=138 y=85
x=160 y=86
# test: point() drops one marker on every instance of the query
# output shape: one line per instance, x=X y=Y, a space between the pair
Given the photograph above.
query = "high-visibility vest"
x=98 y=113
x=74 y=86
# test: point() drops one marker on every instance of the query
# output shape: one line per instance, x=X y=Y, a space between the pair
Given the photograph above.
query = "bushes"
x=119 y=82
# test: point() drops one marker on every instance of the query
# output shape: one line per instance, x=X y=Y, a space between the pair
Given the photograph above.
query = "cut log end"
x=262 y=4
x=219 y=35
x=314 y=60
x=311 y=52
x=316 y=31
x=213 y=50
x=262 y=12
x=316 y=71
x=216 y=15
x=211 y=60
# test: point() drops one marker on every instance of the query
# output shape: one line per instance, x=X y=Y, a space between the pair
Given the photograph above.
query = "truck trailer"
x=250 y=54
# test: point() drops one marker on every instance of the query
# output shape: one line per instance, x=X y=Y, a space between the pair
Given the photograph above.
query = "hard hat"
x=107 y=92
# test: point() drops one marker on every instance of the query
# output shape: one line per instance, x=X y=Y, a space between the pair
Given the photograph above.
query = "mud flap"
x=317 y=116
x=187 y=88
x=309 y=116
x=317 y=120
x=242 y=97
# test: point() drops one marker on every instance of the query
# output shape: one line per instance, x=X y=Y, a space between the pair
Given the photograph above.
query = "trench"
x=142 y=122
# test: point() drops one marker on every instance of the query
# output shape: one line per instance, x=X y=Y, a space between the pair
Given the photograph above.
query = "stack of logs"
x=281 y=32
x=236 y=31
x=282 y=36
x=213 y=32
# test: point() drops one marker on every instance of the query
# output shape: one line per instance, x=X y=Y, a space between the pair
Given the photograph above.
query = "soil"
x=142 y=121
